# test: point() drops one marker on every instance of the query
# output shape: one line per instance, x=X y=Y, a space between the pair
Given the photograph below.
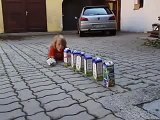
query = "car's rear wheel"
x=113 y=32
x=81 y=33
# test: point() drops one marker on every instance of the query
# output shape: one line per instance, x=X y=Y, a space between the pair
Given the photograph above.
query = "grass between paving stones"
x=152 y=43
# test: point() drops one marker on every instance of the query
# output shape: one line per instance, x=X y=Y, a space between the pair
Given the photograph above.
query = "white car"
x=96 y=18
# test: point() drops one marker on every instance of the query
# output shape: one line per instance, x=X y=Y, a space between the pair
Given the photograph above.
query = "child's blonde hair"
x=61 y=38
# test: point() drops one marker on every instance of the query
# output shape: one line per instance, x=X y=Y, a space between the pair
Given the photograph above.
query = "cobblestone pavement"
x=31 y=90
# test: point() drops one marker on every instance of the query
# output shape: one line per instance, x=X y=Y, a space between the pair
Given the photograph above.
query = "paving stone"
x=34 y=81
x=44 y=70
x=8 y=100
x=53 y=97
x=118 y=89
x=70 y=80
x=129 y=82
x=94 y=90
x=35 y=73
x=149 y=82
x=86 y=86
x=137 y=86
x=11 y=115
x=82 y=82
x=66 y=73
x=138 y=73
x=34 y=77
x=4 y=82
x=95 y=108
x=10 y=74
x=154 y=78
x=66 y=111
x=67 y=87
x=46 y=87
x=131 y=76
x=43 y=83
x=3 y=78
x=31 y=107
x=80 y=116
x=49 y=92
x=20 y=85
x=38 y=116
x=25 y=94
x=123 y=80
x=72 y=76
x=26 y=72
x=61 y=69
x=58 y=79
x=50 y=74
x=101 y=94
x=3 y=73
x=20 y=118
x=10 y=107
x=110 y=117
x=6 y=90
x=153 y=107
x=52 y=105
x=5 y=86
x=6 y=95
x=147 y=75
x=15 y=79
x=135 y=113
x=80 y=96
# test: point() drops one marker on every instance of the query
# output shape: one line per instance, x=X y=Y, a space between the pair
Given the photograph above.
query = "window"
x=138 y=4
x=96 y=11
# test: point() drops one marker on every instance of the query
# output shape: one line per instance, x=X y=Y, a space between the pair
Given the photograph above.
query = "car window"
x=96 y=11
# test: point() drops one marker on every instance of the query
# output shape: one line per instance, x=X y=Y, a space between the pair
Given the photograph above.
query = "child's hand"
x=51 y=61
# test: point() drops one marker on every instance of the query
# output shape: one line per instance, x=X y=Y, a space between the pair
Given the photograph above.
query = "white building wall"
x=139 y=20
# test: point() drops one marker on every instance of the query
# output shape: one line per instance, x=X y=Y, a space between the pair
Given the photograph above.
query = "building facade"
x=59 y=15
x=138 y=16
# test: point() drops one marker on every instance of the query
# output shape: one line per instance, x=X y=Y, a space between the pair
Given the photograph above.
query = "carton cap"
x=88 y=57
x=108 y=63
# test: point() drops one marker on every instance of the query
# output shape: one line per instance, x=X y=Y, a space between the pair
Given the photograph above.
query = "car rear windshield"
x=96 y=11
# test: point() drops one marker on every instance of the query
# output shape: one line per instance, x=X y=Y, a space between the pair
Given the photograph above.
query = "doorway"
x=115 y=6
x=24 y=15
x=70 y=10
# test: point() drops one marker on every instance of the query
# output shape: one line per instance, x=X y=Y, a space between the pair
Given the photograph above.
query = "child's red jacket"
x=54 y=53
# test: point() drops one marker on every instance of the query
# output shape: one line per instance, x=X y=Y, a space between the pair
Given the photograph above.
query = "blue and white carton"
x=97 y=68
x=74 y=54
x=67 y=57
x=80 y=62
x=88 y=65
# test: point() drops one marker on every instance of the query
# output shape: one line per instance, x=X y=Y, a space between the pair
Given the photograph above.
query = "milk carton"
x=80 y=62
x=88 y=65
x=108 y=74
x=74 y=54
x=97 y=69
x=51 y=62
x=67 y=57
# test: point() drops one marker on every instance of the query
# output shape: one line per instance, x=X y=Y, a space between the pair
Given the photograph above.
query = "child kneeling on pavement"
x=56 y=50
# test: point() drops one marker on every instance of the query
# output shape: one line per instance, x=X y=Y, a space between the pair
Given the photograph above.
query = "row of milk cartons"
x=90 y=66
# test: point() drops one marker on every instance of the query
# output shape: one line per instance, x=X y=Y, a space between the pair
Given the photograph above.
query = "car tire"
x=81 y=34
x=113 y=32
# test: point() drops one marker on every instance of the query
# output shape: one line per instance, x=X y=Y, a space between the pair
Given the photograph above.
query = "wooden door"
x=36 y=15
x=14 y=17
x=24 y=15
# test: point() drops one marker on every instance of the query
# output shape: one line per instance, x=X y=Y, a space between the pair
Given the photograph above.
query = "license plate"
x=99 y=26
